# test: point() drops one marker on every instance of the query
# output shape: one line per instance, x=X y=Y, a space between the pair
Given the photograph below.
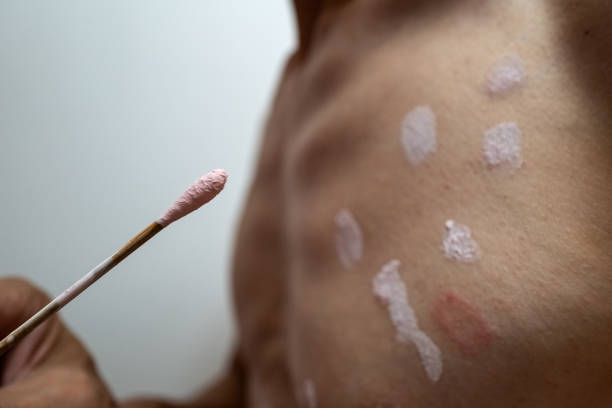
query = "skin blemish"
x=506 y=75
x=349 y=239
x=458 y=244
x=418 y=134
x=390 y=289
x=463 y=323
x=502 y=146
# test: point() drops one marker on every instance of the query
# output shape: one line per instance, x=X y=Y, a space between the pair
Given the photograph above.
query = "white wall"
x=108 y=110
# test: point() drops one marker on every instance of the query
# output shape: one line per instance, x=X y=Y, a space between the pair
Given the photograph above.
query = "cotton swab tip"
x=199 y=193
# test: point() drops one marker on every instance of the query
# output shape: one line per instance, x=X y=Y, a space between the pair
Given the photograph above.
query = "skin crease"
x=332 y=142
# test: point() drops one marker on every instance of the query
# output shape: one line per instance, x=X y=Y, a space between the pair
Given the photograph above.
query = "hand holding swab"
x=199 y=193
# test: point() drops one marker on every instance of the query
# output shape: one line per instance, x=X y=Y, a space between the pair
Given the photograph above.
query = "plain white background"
x=108 y=111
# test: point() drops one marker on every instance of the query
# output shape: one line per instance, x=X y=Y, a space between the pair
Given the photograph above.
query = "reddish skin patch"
x=463 y=323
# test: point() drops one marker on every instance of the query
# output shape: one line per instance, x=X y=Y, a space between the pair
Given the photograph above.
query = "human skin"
x=542 y=333
x=48 y=368
x=539 y=297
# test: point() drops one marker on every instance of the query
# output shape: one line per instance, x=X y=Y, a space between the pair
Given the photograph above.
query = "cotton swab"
x=199 y=193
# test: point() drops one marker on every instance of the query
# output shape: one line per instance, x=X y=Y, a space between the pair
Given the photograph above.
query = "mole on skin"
x=463 y=323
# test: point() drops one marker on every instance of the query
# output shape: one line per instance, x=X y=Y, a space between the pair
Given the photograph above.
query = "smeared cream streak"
x=389 y=287
x=418 y=134
x=349 y=239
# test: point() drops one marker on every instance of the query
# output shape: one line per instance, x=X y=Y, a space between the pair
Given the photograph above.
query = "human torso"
x=528 y=324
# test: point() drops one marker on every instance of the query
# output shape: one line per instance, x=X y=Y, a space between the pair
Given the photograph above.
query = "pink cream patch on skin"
x=463 y=323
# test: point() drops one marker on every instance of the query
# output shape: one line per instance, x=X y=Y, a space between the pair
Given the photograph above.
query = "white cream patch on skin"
x=349 y=239
x=310 y=394
x=458 y=244
x=419 y=134
x=502 y=145
x=389 y=287
x=506 y=75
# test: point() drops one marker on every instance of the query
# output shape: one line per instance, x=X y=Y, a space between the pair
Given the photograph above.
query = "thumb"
x=49 y=344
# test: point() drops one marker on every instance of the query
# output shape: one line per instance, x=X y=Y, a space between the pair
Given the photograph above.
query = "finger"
x=48 y=344
x=18 y=301
x=57 y=387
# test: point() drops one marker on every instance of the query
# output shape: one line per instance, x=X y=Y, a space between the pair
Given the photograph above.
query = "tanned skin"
x=541 y=292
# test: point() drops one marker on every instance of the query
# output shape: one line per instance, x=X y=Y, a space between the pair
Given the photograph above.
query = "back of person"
x=429 y=225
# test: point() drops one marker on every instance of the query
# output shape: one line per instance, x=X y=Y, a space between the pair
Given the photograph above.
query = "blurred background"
x=108 y=111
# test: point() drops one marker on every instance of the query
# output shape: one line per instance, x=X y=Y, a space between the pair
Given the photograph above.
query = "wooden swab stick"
x=199 y=193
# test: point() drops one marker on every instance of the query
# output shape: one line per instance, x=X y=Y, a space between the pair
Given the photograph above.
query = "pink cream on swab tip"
x=199 y=193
